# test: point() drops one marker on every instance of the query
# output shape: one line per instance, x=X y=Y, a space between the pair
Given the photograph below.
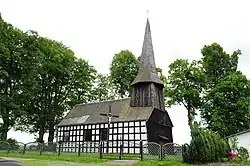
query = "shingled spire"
x=147 y=71
x=147 y=88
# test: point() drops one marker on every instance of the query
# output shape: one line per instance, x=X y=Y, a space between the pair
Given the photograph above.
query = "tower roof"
x=147 y=70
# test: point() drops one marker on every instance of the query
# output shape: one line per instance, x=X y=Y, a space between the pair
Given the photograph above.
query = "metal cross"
x=110 y=116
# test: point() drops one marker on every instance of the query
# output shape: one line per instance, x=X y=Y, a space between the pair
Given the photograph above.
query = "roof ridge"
x=105 y=101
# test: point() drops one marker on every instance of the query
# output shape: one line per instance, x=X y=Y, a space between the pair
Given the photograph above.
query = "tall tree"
x=102 y=89
x=217 y=63
x=231 y=107
x=16 y=66
x=218 y=67
x=123 y=70
x=184 y=86
x=62 y=81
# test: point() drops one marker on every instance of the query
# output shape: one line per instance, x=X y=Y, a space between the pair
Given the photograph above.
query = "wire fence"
x=148 y=151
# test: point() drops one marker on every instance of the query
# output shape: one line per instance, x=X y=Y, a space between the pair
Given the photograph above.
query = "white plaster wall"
x=244 y=141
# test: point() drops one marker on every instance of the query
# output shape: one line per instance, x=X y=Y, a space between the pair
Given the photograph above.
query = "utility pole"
x=110 y=116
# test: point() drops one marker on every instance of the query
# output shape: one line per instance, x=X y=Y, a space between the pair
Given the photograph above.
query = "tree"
x=102 y=89
x=220 y=70
x=230 y=110
x=61 y=82
x=16 y=66
x=184 y=86
x=217 y=63
x=123 y=70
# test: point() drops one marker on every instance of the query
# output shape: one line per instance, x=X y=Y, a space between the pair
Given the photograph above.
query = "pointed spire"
x=147 y=71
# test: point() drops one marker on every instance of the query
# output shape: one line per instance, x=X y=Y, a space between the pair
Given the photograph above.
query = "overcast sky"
x=97 y=29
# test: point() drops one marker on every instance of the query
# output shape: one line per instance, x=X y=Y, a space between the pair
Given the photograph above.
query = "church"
x=127 y=121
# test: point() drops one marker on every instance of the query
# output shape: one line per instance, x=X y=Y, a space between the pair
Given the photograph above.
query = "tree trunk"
x=41 y=133
x=5 y=126
x=190 y=119
x=4 y=131
x=51 y=133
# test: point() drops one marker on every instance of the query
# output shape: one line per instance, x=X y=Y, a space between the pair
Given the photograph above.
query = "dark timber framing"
x=131 y=133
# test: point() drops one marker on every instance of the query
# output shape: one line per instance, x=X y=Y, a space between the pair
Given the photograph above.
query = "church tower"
x=147 y=88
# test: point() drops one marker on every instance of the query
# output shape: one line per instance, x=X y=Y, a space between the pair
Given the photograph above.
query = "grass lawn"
x=89 y=159
x=86 y=159
x=61 y=163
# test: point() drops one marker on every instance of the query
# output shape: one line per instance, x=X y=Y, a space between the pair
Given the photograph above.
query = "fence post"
x=8 y=150
x=24 y=148
x=41 y=149
x=121 y=151
x=141 y=150
x=59 y=148
x=79 y=149
x=100 y=150
x=161 y=152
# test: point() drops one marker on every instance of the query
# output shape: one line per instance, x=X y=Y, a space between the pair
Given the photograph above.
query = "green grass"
x=60 y=163
x=81 y=159
x=160 y=163
x=88 y=159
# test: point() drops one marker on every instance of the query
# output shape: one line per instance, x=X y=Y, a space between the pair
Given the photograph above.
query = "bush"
x=205 y=146
x=243 y=152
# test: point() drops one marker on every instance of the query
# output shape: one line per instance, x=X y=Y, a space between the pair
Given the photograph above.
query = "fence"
x=147 y=151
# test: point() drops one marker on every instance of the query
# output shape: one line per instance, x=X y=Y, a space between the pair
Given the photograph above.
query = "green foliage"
x=230 y=111
x=205 y=146
x=16 y=71
x=61 y=81
x=39 y=80
x=217 y=63
x=226 y=106
x=233 y=141
x=102 y=89
x=243 y=152
x=184 y=86
x=123 y=70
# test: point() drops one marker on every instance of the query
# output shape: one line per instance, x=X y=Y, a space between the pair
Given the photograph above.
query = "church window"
x=66 y=136
x=88 y=135
x=103 y=134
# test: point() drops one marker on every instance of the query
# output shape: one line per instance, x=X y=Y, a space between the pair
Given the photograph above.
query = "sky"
x=95 y=30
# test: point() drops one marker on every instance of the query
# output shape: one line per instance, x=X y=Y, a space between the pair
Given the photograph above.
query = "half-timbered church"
x=124 y=121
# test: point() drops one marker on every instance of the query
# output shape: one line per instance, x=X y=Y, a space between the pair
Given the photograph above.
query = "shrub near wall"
x=205 y=146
